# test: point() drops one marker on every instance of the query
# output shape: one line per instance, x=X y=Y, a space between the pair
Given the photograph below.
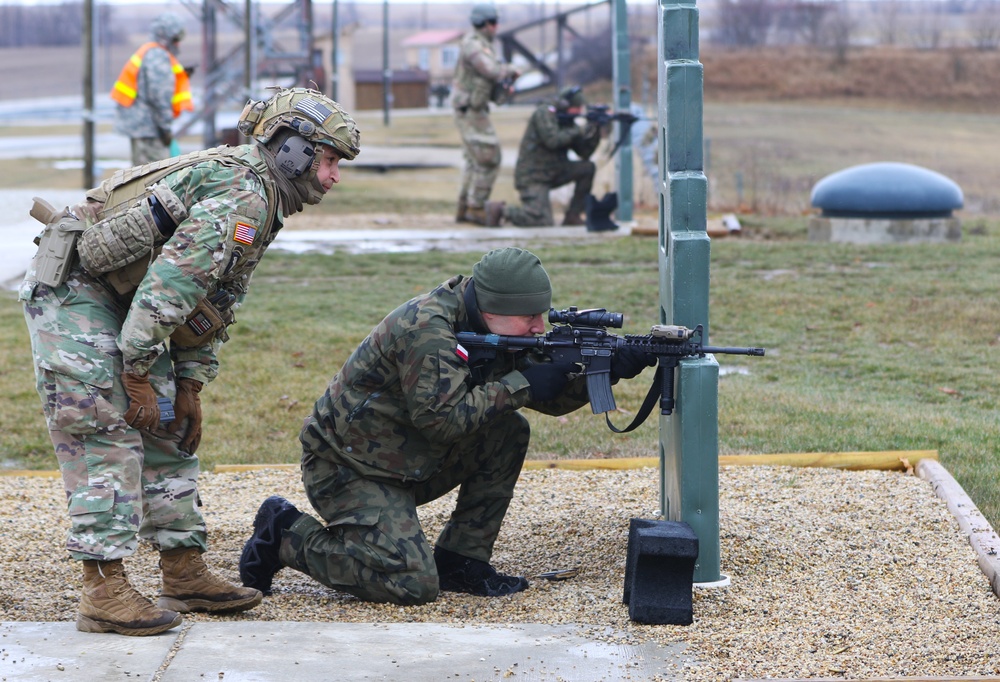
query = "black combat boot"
x=457 y=573
x=259 y=560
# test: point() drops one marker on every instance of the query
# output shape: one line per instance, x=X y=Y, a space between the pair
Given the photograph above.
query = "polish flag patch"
x=462 y=353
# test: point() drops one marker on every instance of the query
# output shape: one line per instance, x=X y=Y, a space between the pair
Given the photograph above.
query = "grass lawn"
x=868 y=348
x=890 y=347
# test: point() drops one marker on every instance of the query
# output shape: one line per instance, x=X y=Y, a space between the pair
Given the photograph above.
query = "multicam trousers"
x=372 y=545
x=120 y=483
x=147 y=150
x=482 y=156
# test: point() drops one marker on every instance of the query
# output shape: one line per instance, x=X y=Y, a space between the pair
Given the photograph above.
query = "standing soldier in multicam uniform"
x=151 y=91
x=405 y=421
x=132 y=312
x=479 y=79
x=543 y=164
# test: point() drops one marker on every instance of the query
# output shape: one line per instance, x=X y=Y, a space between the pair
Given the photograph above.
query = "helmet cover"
x=167 y=28
x=307 y=113
x=483 y=12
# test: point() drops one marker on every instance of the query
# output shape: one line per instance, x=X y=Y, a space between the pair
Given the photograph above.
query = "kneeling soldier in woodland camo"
x=127 y=303
x=405 y=421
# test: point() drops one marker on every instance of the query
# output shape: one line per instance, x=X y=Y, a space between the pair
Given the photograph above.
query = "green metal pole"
x=622 y=76
x=689 y=440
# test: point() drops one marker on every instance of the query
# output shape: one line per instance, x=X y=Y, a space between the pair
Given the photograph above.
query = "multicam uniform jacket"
x=406 y=394
x=477 y=72
x=84 y=333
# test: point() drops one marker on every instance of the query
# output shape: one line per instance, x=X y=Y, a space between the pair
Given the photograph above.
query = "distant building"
x=346 y=94
x=435 y=52
x=408 y=89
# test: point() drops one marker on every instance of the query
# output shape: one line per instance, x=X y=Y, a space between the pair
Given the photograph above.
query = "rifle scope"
x=594 y=317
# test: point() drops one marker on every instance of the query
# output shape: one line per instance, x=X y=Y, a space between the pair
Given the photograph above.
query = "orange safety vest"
x=124 y=90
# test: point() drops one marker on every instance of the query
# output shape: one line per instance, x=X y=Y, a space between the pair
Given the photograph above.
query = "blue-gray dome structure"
x=887 y=190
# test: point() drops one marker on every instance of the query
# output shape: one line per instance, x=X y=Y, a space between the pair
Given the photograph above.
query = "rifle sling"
x=645 y=409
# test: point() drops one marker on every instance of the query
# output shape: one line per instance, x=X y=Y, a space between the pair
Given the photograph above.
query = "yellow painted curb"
x=855 y=461
x=40 y=473
x=900 y=460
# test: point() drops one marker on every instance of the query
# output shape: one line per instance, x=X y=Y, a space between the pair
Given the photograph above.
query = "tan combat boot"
x=189 y=585
x=460 y=214
x=110 y=604
x=495 y=213
x=475 y=214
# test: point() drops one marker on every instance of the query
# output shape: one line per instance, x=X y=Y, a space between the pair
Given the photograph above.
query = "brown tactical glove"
x=187 y=406
x=143 y=413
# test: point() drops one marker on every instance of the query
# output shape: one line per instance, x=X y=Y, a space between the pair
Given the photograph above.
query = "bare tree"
x=983 y=25
x=744 y=23
x=928 y=29
x=887 y=20
x=801 y=21
x=44 y=25
x=837 y=31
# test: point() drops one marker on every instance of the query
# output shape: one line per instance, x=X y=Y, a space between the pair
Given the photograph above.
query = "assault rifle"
x=582 y=337
x=601 y=115
x=503 y=90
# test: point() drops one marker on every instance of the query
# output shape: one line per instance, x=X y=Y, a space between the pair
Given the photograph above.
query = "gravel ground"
x=834 y=573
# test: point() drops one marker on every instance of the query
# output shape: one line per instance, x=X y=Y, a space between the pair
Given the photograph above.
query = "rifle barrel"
x=733 y=351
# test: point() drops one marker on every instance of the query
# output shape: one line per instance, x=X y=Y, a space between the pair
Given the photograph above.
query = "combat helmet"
x=167 y=28
x=291 y=123
x=483 y=12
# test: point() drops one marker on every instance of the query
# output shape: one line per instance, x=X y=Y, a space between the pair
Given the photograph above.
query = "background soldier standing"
x=480 y=78
x=151 y=91
x=543 y=164
x=405 y=421
x=133 y=311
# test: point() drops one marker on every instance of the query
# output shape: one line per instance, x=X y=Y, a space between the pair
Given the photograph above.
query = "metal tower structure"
x=230 y=70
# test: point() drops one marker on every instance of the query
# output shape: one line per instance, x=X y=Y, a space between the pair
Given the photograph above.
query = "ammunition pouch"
x=124 y=239
x=56 y=244
x=205 y=323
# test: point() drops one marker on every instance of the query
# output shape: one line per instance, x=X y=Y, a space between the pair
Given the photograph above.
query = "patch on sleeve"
x=462 y=353
x=244 y=233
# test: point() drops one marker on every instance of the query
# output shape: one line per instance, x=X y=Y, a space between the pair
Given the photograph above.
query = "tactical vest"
x=131 y=186
x=472 y=89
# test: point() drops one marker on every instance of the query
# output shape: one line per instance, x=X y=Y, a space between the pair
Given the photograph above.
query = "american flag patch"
x=462 y=353
x=244 y=233
x=314 y=110
x=199 y=324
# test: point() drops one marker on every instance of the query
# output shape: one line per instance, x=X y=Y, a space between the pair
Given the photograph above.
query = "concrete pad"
x=261 y=651
x=37 y=652
x=245 y=652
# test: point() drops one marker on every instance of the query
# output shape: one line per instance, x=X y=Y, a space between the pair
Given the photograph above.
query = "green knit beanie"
x=512 y=281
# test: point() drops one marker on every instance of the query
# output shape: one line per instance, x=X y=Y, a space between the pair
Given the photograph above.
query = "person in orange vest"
x=151 y=91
